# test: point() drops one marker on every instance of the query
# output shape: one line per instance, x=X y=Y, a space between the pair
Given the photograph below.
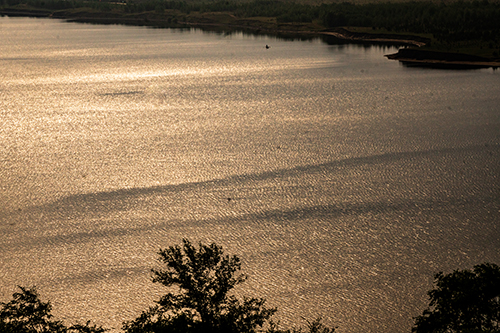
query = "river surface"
x=352 y=178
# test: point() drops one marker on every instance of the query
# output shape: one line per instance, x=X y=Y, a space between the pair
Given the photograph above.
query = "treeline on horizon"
x=447 y=22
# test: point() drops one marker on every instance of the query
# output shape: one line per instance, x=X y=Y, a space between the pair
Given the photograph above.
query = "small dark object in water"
x=267 y=46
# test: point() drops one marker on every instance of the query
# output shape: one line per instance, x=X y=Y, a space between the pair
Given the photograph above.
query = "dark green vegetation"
x=463 y=301
x=463 y=26
x=201 y=279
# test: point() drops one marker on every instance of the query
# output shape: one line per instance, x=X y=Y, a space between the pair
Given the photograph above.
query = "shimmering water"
x=352 y=178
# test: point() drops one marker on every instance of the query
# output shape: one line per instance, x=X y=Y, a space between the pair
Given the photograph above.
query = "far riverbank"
x=411 y=54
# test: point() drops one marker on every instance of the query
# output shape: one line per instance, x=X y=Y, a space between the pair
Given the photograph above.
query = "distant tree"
x=202 y=303
x=26 y=313
x=463 y=301
x=334 y=19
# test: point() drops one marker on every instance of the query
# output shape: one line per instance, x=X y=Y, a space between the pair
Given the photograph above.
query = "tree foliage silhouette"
x=463 y=301
x=204 y=278
x=315 y=326
x=26 y=313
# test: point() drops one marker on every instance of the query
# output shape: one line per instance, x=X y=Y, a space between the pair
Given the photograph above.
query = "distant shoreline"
x=408 y=56
x=443 y=60
x=153 y=20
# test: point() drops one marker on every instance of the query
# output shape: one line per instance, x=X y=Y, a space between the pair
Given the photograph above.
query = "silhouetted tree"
x=87 y=328
x=315 y=326
x=202 y=303
x=204 y=278
x=463 y=301
x=26 y=313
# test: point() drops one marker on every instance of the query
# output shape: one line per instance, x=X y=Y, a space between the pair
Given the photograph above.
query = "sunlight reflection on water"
x=352 y=179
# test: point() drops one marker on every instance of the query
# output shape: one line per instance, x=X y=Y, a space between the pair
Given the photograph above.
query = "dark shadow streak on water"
x=114 y=200
x=103 y=203
x=319 y=212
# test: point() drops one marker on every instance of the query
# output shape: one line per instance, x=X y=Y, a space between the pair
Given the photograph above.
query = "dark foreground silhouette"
x=465 y=301
x=203 y=276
